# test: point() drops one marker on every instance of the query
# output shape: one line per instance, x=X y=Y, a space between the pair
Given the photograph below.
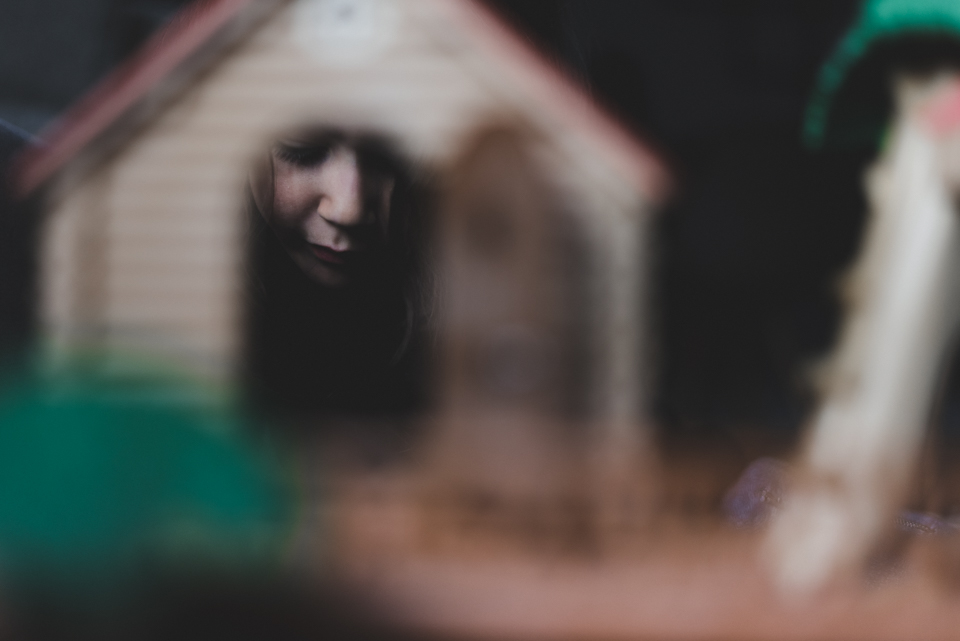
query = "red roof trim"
x=173 y=44
x=557 y=88
x=121 y=89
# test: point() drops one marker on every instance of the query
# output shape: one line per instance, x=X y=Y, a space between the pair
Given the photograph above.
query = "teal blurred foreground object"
x=851 y=104
x=99 y=477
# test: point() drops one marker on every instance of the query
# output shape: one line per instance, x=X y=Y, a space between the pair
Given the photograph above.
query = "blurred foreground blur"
x=358 y=318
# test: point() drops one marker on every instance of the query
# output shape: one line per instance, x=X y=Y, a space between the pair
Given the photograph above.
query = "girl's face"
x=330 y=214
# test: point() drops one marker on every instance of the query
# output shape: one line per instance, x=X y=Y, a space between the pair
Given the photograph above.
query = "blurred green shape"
x=100 y=476
x=851 y=104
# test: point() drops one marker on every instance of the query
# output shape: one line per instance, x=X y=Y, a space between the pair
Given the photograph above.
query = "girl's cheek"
x=286 y=198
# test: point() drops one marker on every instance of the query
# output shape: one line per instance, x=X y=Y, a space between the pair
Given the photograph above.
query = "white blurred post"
x=623 y=460
x=902 y=298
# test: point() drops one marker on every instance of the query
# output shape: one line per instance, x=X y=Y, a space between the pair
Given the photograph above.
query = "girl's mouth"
x=331 y=256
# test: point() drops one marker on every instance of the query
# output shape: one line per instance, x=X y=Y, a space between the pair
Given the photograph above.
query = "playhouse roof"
x=203 y=32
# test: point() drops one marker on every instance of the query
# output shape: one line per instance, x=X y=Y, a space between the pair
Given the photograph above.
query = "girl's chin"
x=323 y=274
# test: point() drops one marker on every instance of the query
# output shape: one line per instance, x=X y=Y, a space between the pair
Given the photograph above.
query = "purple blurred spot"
x=919 y=523
x=757 y=493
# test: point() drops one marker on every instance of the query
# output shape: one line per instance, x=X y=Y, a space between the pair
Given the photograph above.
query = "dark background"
x=758 y=229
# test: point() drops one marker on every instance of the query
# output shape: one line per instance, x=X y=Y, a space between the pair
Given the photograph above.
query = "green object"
x=851 y=105
x=99 y=477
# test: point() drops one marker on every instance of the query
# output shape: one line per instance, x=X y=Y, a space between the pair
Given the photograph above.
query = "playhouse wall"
x=143 y=249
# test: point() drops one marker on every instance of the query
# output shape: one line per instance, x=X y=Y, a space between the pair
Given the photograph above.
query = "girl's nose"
x=341 y=202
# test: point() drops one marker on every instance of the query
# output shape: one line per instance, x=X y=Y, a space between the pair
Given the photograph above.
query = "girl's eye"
x=303 y=156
